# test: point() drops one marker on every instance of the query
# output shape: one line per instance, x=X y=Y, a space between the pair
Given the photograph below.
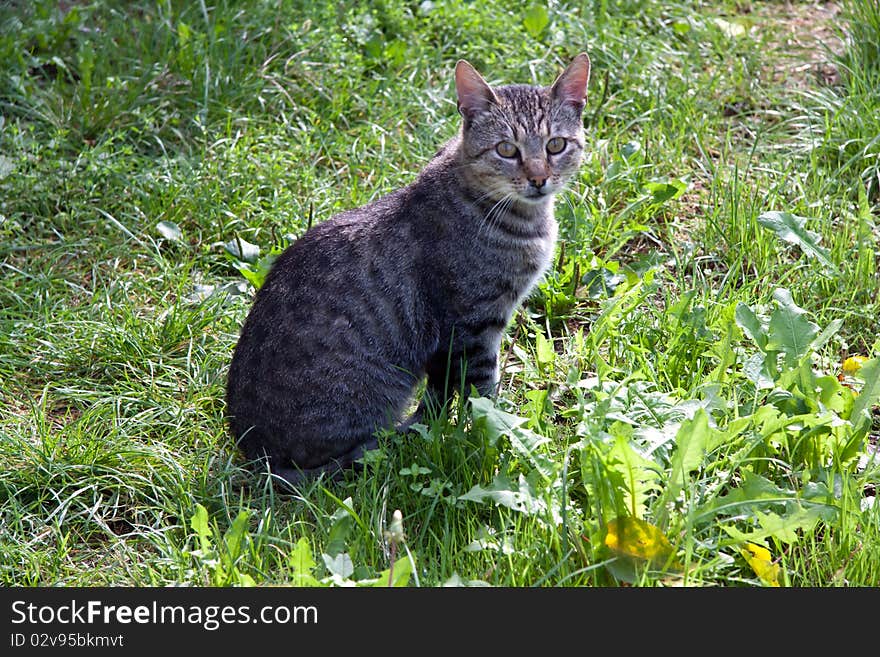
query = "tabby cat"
x=421 y=282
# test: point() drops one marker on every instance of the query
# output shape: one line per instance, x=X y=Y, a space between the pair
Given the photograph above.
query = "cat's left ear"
x=571 y=85
x=474 y=94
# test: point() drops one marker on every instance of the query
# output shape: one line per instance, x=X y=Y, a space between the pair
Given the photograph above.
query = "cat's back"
x=387 y=240
x=347 y=289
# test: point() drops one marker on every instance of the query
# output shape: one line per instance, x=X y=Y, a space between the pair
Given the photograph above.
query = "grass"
x=670 y=394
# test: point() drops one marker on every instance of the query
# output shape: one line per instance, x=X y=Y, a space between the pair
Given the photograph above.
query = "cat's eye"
x=506 y=149
x=556 y=145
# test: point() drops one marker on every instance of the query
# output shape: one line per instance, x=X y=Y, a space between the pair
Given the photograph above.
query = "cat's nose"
x=538 y=181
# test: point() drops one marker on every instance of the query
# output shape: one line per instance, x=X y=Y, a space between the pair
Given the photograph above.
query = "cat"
x=422 y=282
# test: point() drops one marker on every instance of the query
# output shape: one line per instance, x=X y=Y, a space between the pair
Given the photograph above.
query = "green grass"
x=661 y=372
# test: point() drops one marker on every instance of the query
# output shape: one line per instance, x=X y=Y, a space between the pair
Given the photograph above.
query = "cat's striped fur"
x=421 y=282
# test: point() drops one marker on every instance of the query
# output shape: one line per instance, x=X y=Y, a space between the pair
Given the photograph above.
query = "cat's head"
x=522 y=140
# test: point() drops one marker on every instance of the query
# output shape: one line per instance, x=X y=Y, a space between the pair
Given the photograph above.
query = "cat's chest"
x=521 y=256
x=498 y=273
x=527 y=265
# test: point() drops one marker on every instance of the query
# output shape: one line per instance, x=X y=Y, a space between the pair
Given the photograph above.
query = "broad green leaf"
x=869 y=395
x=631 y=537
x=781 y=527
x=748 y=321
x=414 y=470
x=753 y=492
x=754 y=486
x=243 y=579
x=818 y=493
x=789 y=330
x=539 y=404
x=399 y=576
x=683 y=313
x=761 y=562
x=199 y=523
x=755 y=370
x=536 y=19
x=792 y=229
x=526 y=443
x=170 y=231
x=497 y=422
x=252 y=276
x=544 y=351
x=375 y=45
x=340 y=529
x=395 y=52
x=301 y=561
x=785 y=527
x=601 y=283
x=341 y=565
x=638 y=475
x=489 y=539
x=665 y=190
x=519 y=496
x=256 y=272
x=835 y=396
x=691 y=443
x=630 y=148
x=235 y=535
x=243 y=250
x=504 y=493
x=827 y=333
x=265 y=263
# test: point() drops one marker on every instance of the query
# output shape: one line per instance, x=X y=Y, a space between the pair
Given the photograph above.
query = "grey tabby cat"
x=423 y=281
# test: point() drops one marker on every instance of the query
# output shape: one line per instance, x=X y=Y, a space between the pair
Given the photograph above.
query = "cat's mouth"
x=535 y=195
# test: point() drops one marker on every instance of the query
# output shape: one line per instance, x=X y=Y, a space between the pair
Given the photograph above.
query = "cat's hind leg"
x=293 y=477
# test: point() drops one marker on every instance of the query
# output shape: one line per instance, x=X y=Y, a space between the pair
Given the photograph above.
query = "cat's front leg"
x=471 y=360
x=479 y=362
x=481 y=372
x=444 y=378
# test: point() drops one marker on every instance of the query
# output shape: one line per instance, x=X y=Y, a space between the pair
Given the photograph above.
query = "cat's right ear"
x=571 y=85
x=474 y=94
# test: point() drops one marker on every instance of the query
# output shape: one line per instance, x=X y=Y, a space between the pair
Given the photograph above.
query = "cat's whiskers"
x=492 y=193
x=493 y=217
x=503 y=211
x=487 y=218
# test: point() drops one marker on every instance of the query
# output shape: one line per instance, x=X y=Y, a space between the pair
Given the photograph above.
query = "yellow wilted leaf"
x=849 y=371
x=853 y=364
x=632 y=537
x=761 y=561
